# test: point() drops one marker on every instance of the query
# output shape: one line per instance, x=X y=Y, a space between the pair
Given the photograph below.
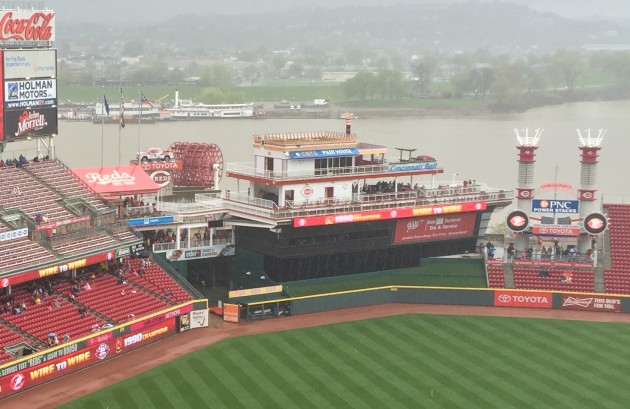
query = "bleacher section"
x=40 y=320
x=60 y=178
x=159 y=281
x=62 y=223
x=530 y=278
x=496 y=278
x=106 y=297
x=21 y=252
x=21 y=190
x=108 y=301
x=8 y=337
x=43 y=191
x=617 y=277
x=94 y=242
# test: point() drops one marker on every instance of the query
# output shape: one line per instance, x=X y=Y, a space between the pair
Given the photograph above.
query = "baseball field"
x=405 y=361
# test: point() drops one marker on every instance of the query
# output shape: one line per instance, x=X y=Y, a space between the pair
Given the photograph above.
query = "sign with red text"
x=388 y=214
x=27 y=26
x=158 y=165
x=74 y=356
x=34 y=122
x=583 y=302
x=522 y=299
x=441 y=227
x=230 y=312
x=57 y=268
x=556 y=230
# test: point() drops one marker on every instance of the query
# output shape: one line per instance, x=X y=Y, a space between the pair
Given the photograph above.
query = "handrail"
x=177 y=277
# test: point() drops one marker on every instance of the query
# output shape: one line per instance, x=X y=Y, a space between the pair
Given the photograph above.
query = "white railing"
x=244 y=203
x=247 y=169
x=171 y=245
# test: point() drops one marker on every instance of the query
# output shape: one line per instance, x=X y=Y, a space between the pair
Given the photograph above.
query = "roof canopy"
x=117 y=180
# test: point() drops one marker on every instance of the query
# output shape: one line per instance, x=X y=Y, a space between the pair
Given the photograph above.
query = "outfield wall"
x=451 y=296
x=49 y=364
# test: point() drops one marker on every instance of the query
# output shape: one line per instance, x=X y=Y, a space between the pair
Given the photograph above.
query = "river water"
x=475 y=147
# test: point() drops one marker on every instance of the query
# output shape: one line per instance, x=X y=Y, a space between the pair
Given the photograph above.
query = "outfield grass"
x=409 y=361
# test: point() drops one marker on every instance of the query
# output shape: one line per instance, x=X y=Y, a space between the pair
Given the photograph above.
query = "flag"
x=144 y=100
x=122 y=109
x=105 y=104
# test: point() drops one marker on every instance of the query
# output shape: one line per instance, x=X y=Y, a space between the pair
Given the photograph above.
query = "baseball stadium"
x=332 y=276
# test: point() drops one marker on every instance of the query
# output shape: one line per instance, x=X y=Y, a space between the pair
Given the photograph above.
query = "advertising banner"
x=20 y=64
x=13 y=234
x=117 y=180
x=199 y=318
x=255 y=291
x=56 y=269
x=182 y=323
x=403 y=167
x=27 y=25
x=398 y=213
x=74 y=356
x=30 y=93
x=522 y=299
x=161 y=317
x=599 y=303
x=230 y=312
x=555 y=206
x=151 y=221
x=34 y=122
x=556 y=230
x=170 y=165
x=434 y=228
x=323 y=153
x=201 y=252
x=57 y=223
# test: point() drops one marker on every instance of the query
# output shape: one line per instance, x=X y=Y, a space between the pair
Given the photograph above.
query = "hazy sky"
x=127 y=11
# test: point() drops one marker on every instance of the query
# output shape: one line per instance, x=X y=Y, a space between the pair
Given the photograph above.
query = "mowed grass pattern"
x=408 y=361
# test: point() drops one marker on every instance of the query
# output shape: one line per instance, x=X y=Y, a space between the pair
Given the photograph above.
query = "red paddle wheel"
x=198 y=160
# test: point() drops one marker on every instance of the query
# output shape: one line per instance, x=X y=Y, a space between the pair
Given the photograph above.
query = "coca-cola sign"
x=30 y=122
x=27 y=25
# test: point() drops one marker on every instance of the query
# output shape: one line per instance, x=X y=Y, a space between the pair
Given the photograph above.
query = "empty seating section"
x=496 y=278
x=60 y=178
x=159 y=281
x=106 y=297
x=124 y=234
x=22 y=252
x=7 y=338
x=96 y=241
x=617 y=277
x=19 y=190
x=530 y=279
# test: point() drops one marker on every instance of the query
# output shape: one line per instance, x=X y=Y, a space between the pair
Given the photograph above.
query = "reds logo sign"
x=161 y=177
x=307 y=191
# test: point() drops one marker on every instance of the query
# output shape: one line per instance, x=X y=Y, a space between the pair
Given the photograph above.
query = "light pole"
x=454 y=174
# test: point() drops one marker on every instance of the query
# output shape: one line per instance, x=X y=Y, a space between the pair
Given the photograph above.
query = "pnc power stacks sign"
x=29 y=75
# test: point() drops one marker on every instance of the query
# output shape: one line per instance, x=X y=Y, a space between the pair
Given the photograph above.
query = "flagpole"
x=119 y=129
x=103 y=127
x=121 y=124
x=139 y=119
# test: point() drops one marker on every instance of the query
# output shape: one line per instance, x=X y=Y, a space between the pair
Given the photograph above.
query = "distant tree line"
x=502 y=81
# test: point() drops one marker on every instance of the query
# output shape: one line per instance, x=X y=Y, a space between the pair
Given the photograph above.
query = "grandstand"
x=617 y=276
x=614 y=261
x=61 y=252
